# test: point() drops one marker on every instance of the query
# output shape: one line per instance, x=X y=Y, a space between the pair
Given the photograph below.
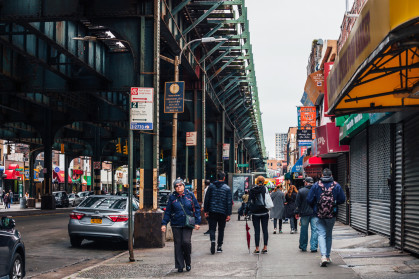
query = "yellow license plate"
x=96 y=221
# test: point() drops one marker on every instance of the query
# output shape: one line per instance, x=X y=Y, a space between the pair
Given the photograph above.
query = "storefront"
x=58 y=179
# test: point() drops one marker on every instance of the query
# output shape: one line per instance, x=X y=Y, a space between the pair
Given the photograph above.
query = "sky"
x=281 y=33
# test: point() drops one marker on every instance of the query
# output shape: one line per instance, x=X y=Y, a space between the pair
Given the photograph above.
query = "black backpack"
x=257 y=203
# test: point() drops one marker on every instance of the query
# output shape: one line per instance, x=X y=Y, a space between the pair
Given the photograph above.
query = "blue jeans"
x=305 y=221
x=324 y=229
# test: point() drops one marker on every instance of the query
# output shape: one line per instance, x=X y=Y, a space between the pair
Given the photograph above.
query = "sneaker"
x=314 y=251
x=280 y=232
x=329 y=259
x=323 y=262
x=256 y=252
x=219 y=250
x=274 y=231
x=292 y=232
x=212 y=247
x=207 y=232
x=264 y=251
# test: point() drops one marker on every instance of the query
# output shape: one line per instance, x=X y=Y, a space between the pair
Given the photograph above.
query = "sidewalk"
x=15 y=210
x=354 y=255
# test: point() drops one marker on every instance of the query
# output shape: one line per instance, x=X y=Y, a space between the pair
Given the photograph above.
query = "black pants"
x=293 y=223
x=257 y=221
x=183 y=246
x=279 y=224
x=214 y=219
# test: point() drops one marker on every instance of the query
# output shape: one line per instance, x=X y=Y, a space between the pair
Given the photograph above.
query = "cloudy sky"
x=281 y=33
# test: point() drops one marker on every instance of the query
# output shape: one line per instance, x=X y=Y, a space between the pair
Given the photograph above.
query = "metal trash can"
x=23 y=202
x=30 y=202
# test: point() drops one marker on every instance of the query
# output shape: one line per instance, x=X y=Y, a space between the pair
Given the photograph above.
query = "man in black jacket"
x=304 y=210
x=217 y=208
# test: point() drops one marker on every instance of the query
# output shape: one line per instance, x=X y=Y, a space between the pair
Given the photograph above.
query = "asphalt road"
x=48 y=250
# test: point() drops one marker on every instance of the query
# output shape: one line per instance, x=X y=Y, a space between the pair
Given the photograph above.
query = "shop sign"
x=304 y=134
x=352 y=125
x=314 y=86
x=307 y=119
x=328 y=140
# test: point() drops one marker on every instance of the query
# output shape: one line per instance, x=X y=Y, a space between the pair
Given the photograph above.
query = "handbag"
x=268 y=200
x=189 y=220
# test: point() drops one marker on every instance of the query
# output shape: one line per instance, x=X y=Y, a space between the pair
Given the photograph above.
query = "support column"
x=147 y=223
x=97 y=150
x=67 y=160
x=47 y=200
x=199 y=156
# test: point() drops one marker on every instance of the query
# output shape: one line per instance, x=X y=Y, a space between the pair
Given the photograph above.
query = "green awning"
x=352 y=126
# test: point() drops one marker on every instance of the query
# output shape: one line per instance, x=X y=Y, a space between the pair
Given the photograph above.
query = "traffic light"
x=118 y=146
x=161 y=156
x=126 y=147
x=206 y=155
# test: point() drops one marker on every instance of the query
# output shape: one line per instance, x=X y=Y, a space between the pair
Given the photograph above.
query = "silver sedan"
x=100 y=217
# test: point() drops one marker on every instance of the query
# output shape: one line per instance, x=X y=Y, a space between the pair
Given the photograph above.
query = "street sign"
x=190 y=138
x=57 y=169
x=226 y=151
x=243 y=165
x=174 y=97
x=141 y=109
x=96 y=165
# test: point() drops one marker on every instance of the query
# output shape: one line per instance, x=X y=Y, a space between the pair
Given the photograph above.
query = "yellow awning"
x=377 y=69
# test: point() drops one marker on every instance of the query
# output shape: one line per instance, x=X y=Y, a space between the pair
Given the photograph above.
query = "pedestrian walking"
x=277 y=212
x=306 y=214
x=260 y=214
x=184 y=214
x=218 y=206
x=207 y=183
x=6 y=201
x=324 y=196
x=290 y=198
x=10 y=197
x=245 y=199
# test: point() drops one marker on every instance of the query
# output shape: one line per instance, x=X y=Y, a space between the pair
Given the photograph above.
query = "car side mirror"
x=7 y=223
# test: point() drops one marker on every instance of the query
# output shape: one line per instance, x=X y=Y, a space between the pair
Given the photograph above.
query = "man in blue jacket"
x=217 y=208
x=324 y=197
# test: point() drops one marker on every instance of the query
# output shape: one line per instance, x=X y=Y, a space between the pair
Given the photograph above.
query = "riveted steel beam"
x=227 y=77
x=212 y=51
x=222 y=68
x=215 y=61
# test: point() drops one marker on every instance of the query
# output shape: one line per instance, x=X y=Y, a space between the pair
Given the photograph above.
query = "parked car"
x=100 y=217
x=61 y=199
x=162 y=198
x=12 y=256
x=85 y=194
x=74 y=199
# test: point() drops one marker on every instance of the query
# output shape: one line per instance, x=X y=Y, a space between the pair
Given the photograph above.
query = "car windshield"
x=71 y=196
x=57 y=194
x=104 y=203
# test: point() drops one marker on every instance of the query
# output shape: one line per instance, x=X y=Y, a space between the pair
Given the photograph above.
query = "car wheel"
x=75 y=241
x=16 y=270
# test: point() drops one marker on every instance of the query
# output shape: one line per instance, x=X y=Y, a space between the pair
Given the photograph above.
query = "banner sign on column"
x=141 y=108
x=174 y=97
x=226 y=151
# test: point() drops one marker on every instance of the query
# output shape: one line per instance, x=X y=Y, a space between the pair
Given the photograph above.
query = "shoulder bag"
x=268 y=200
x=189 y=220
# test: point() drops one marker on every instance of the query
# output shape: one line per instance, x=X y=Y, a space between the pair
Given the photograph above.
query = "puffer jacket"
x=301 y=206
x=218 y=198
x=174 y=213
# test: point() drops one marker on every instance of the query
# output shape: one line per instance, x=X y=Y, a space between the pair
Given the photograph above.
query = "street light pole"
x=175 y=115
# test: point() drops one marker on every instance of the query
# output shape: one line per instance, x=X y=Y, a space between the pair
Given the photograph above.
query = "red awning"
x=315 y=161
x=60 y=176
x=11 y=174
x=13 y=166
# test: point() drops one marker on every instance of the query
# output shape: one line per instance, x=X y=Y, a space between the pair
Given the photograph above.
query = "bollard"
x=23 y=202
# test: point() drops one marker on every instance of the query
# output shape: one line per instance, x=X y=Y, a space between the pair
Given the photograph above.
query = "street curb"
x=75 y=275
x=31 y=212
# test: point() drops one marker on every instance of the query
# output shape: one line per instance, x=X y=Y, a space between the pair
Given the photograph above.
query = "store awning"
x=11 y=174
x=298 y=165
x=316 y=161
x=328 y=140
x=377 y=69
x=60 y=177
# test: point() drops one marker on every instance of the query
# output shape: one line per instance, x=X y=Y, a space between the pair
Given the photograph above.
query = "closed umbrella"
x=248 y=236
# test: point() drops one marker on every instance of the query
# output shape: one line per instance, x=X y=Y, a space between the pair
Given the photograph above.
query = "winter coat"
x=6 y=199
x=290 y=206
x=218 y=198
x=253 y=194
x=174 y=213
x=315 y=192
x=278 y=199
x=301 y=206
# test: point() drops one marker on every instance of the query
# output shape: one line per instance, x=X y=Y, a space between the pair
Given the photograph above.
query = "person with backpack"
x=290 y=198
x=260 y=214
x=324 y=197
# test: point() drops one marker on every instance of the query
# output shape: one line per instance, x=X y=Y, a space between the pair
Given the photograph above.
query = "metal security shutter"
x=398 y=175
x=379 y=164
x=410 y=227
x=342 y=177
x=358 y=188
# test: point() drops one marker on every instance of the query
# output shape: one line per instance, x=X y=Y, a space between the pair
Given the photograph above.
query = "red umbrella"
x=248 y=235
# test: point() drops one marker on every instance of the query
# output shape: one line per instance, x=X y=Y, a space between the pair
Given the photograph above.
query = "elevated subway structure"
x=68 y=66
